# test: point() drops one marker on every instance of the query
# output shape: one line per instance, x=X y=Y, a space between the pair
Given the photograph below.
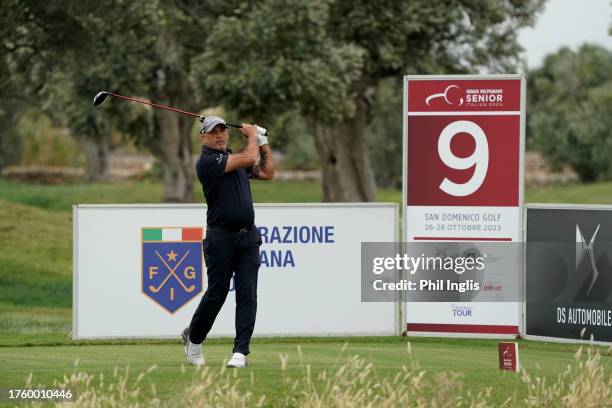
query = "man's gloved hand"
x=262 y=139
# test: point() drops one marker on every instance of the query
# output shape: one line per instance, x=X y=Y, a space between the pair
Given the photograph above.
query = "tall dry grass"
x=352 y=382
x=583 y=384
x=357 y=384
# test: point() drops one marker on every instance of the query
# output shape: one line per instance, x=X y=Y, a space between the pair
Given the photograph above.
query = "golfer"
x=232 y=240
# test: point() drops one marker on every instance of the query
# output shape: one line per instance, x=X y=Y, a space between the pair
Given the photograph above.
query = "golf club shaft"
x=155 y=105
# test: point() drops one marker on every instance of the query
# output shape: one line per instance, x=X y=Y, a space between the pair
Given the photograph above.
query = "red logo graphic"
x=449 y=96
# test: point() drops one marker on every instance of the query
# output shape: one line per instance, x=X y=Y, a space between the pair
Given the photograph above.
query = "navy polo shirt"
x=228 y=195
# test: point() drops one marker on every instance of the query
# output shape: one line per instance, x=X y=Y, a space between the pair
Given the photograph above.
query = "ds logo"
x=583 y=250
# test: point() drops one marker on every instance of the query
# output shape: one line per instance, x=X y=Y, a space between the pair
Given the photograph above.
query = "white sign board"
x=463 y=181
x=309 y=280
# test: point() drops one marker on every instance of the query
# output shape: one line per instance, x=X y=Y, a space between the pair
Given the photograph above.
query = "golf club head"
x=100 y=97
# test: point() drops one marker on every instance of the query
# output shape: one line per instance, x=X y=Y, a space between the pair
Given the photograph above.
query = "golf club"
x=101 y=96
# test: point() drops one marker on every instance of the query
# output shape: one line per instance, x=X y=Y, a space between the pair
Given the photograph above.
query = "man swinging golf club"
x=232 y=240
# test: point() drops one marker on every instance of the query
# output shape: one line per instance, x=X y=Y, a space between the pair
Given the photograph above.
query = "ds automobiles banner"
x=568 y=273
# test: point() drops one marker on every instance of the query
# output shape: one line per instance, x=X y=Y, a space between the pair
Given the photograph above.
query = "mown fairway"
x=475 y=360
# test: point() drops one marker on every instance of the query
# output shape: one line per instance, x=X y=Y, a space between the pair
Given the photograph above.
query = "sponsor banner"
x=463 y=162
x=462 y=313
x=568 y=272
x=437 y=94
x=139 y=270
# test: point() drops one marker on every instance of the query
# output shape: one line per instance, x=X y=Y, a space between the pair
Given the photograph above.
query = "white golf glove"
x=262 y=139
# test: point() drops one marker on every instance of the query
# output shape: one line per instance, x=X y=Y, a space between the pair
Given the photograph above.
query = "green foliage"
x=570 y=104
x=45 y=145
x=385 y=135
x=301 y=154
x=290 y=135
x=58 y=55
x=325 y=59
x=117 y=58
x=320 y=56
x=322 y=60
x=271 y=58
x=11 y=146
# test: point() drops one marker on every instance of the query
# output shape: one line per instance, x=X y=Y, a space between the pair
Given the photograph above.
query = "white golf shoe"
x=238 y=360
x=193 y=352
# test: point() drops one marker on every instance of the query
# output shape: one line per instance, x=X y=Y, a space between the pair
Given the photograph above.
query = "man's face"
x=217 y=138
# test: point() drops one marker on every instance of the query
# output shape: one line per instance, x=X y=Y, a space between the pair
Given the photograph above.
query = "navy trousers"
x=226 y=253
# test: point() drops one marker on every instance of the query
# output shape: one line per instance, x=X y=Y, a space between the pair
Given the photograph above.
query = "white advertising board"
x=309 y=280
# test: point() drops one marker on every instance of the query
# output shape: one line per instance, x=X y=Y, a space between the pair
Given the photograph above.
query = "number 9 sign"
x=464 y=160
x=479 y=159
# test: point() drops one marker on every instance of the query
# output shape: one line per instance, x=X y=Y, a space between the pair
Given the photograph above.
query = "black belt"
x=216 y=228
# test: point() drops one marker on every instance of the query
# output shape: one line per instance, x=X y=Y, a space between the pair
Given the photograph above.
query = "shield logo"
x=172 y=265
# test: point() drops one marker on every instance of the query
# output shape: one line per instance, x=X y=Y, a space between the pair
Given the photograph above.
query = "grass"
x=595 y=193
x=476 y=360
x=36 y=257
x=62 y=197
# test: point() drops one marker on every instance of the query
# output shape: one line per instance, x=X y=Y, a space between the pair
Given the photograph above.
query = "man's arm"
x=249 y=155
x=264 y=170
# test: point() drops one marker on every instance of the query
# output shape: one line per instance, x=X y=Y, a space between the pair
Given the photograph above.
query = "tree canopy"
x=316 y=62
x=570 y=105
x=324 y=60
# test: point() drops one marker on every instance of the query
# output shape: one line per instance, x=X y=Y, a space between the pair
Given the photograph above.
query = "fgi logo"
x=172 y=265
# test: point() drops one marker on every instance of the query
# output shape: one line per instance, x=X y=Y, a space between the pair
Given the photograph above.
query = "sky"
x=567 y=23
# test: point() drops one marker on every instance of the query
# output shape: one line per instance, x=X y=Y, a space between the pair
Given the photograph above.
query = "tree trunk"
x=345 y=164
x=171 y=131
x=96 y=155
x=172 y=138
